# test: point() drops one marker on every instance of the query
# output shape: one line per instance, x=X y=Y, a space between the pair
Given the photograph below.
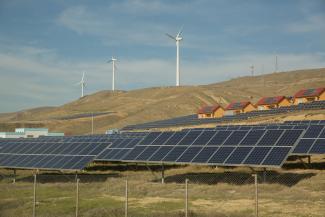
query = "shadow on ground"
x=63 y=178
x=129 y=167
x=239 y=178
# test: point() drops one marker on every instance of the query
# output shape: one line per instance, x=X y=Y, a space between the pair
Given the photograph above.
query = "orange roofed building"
x=309 y=95
x=239 y=107
x=267 y=103
x=212 y=111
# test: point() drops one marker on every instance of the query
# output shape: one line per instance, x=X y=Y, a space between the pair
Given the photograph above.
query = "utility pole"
x=92 y=123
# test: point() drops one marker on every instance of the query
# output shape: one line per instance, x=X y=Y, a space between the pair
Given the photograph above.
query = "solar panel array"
x=265 y=145
x=265 y=148
x=194 y=120
x=61 y=153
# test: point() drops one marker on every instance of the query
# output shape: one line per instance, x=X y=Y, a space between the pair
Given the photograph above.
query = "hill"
x=120 y=108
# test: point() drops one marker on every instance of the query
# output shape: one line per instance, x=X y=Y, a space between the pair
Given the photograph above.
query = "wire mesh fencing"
x=176 y=192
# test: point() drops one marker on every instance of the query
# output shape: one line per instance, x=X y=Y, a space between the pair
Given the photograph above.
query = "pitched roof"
x=270 y=100
x=237 y=105
x=309 y=92
x=208 y=109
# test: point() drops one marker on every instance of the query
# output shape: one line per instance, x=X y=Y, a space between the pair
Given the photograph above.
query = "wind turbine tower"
x=113 y=71
x=177 y=38
x=252 y=70
x=82 y=83
x=276 y=63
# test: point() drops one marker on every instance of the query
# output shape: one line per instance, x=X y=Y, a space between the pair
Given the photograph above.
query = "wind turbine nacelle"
x=179 y=38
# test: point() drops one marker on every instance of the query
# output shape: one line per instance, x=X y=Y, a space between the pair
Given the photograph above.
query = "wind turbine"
x=177 y=38
x=113 y=71
x=252 y=69
x=83 y=84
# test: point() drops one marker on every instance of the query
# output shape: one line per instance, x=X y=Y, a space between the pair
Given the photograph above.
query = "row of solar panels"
x=251 y=146
x=212 y=147
x=193 y=120
x=158 y=146
x=62 y=156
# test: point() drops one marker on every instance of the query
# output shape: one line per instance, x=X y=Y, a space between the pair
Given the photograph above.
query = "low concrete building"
x=29 y=133
x=267 y=103
x=239 y=107
x=212 y=111
x=309 y=95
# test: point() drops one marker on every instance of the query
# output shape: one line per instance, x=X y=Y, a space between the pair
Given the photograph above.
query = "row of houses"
x=265 y=103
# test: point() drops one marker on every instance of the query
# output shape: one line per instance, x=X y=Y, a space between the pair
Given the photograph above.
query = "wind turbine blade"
x=109 y=61
x=180 y=31
x=170 y=36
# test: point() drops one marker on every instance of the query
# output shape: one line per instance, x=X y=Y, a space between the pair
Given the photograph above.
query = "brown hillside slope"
x=138 y=106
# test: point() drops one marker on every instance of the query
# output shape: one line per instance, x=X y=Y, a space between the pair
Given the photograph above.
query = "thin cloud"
x=315 y=23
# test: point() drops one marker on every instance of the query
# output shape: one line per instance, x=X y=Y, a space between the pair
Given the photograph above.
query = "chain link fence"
x=185 y=192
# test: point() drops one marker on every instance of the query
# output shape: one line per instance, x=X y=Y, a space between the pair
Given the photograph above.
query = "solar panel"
x=189 y=138
x=257 y=156
x=303 y=146
x=160 y=153
x=189 y=154
x=270 y=137
x=204 y=155
x=238 y=156
x=204 y=138
x=313 y=131
x=221 y=155
x=162 y=138
x=219 y=138
x=174 y=139
x=174 y=154
x=235 y=138
x=276 y=156
x=48 y=154
x=318 y=147
x=252 y=137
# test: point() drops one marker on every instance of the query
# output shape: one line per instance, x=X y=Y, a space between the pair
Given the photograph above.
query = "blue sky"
x=46 y=45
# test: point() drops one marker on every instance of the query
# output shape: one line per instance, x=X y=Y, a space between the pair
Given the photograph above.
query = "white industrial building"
x=29 y=133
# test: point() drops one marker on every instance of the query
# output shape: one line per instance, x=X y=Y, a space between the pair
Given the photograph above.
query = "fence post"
x=14 y=179
x=126 y=198
x=162 y=174
x=256 y=194
x=34 y=196
x=77 y=196
x=186 y=197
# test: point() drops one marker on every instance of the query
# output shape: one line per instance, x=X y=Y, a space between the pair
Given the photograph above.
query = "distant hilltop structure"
x=29 y=133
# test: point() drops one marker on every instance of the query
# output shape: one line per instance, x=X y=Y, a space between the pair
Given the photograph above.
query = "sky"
x=46 y=45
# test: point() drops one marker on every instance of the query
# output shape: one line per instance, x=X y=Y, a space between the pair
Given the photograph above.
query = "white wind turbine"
x=113 y=71
x=83 y=84
x=177 y=38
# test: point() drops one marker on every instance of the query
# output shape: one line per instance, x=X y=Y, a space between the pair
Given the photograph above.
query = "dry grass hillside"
x=122 y=108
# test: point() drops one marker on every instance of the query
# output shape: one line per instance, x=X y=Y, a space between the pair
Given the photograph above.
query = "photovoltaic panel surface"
x=54 y=154
x=264 y=148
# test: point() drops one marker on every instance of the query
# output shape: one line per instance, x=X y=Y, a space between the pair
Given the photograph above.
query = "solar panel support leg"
x=309 y=160
x=162 y=174
x=77 y=195
x=34 y=195
x=264 y=175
